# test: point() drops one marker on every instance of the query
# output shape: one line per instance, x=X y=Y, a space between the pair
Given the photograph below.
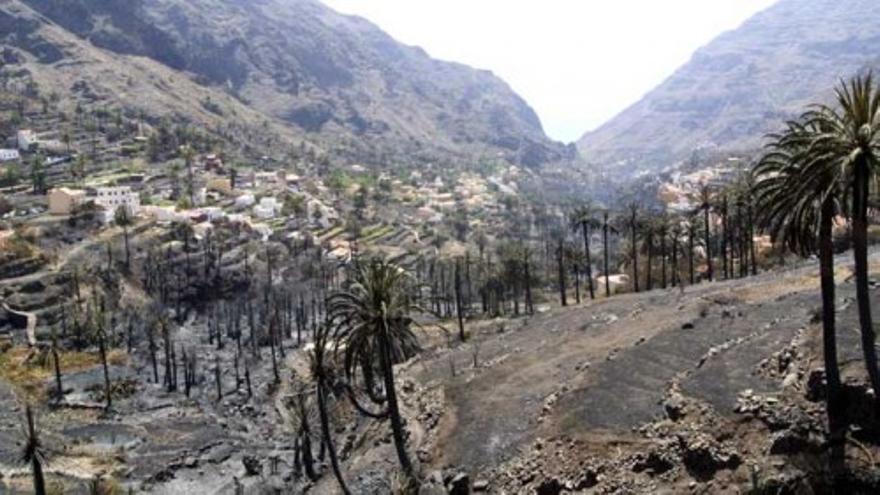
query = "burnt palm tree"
x=373 y=331
x=319 y=360
x=123 y=219
x=607 y=229
x=583 y=219
x=849 y=139
x=188 y=154
x=33 y=452
x=634 y=224
x=706 y=207
x=798 y=197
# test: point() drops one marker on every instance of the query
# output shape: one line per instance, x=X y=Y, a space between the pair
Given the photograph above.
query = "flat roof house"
x=111 y=198
x=62 y=200
x=8 y=155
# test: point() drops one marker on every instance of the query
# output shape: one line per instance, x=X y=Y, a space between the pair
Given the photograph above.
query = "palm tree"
x=798 y=197
x=583 y=218
x=691 y=234
x=33 y=452
x=705 y=207
x=78 y=168
x=560 y=263
x=188 y=154
x=849 y=138
x=373 y=332
x=606 y=229
x=320 y=367
x=124 y=220
x=633 y=223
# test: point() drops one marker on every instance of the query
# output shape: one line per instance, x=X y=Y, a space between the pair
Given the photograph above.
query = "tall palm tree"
x=798 y=197
x=634 y=223
x=320 y=367
x=188 y=154
x=706 y=207
x=848 y=138
x=123 y=219
x=584 y=219
x=607 y=229
x=373 y=331
x=33 y=452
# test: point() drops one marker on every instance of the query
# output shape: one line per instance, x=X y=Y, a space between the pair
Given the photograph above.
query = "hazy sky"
x=577 y=62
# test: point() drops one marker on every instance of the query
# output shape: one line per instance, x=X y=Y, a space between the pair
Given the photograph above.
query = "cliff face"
x=741 y=85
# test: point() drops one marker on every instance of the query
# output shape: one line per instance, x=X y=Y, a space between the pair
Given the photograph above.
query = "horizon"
x=560 y=92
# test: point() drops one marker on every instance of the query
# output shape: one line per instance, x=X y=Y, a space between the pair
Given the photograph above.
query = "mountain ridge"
x=741 y=85
x=335 y=79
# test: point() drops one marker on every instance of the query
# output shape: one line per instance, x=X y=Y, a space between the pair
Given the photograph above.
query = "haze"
x=576 y=63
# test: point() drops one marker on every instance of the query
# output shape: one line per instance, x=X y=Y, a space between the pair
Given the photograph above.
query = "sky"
x=576 y=62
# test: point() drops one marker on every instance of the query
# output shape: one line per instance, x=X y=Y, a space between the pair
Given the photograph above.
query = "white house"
x=267 y=208
x=214 y=213
x=26 y=139
x=111 y=198
x=245 y=201
x=7 y=155
x=164 y=213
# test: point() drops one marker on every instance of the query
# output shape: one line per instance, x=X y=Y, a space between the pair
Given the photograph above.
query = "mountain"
x=335 y=80
x=740 y=86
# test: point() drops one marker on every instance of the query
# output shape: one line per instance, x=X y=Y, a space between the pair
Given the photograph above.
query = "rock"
x=436 y=477
x=252 y=465
x=788 y=442
x=703 y=456
x=654 y=463
x=481 y=486
x=674 y=406
x=460 y=484
x=816 y=385
x=549 y=487
x=190 y=462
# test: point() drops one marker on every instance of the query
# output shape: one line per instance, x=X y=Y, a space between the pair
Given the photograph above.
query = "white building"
x=7 y=155
x=268 y=208
x=244 y=201
x=111 y=198
x=164 y=213
x=26 y=139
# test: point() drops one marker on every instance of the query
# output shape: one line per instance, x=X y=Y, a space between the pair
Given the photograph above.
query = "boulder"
x=252 y=465
x=460 y=484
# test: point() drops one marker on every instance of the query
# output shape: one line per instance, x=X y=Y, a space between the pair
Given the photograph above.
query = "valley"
x=259 y=246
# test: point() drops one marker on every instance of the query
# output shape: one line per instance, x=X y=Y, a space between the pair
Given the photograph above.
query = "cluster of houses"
x=28 y=141
x=253 y=199
x=64 y=201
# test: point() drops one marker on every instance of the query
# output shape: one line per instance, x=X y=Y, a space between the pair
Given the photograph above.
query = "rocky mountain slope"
x=332 y=79
x=742 y=84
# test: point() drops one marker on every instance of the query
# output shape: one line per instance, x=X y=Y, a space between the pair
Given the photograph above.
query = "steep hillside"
x=334 y=79
x=742 y=84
